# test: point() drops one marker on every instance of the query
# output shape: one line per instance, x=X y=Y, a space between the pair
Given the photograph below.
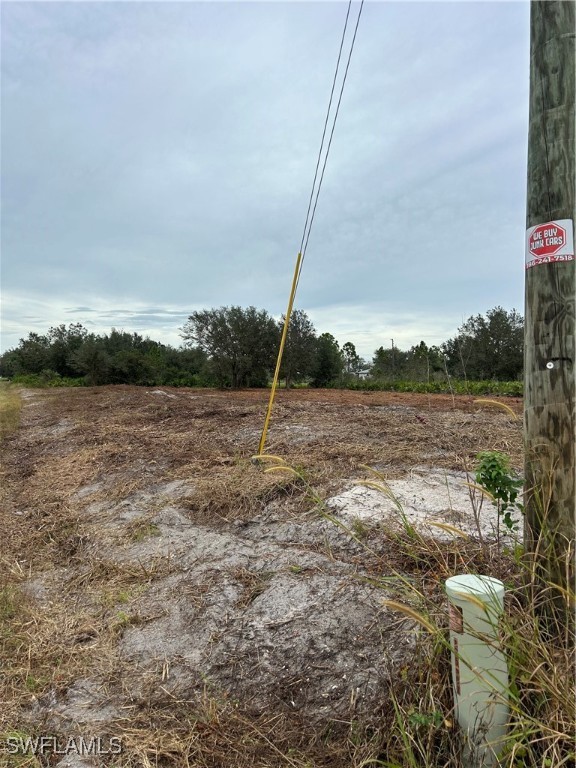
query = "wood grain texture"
x=550 y=312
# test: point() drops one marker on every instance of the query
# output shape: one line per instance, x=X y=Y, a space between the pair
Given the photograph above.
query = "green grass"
x=46 y=379
x=451 y=387
x=142 y=528
x=454 y=386
x=10 y=407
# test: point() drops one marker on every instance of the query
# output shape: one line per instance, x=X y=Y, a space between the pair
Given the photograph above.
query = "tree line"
x=486 y=347
x=72 y=353
x=237 y=347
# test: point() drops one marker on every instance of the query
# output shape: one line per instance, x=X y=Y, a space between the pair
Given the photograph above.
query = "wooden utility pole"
x=550 y=319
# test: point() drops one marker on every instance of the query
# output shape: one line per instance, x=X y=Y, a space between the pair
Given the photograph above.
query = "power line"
x=308 y=224
x=331 y=133
x=325 y=126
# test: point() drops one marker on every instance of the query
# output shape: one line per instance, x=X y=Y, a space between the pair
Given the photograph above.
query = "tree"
x=328 y=365
x=241 y=343
x=489 y=347
x=131 y=366
x=300 y=349
x=180 y=367
x=92 y=360
x=9 y=363
x=115 y=358
x=64 y=343
x=382 y=363
x=131 y=358
x=351 y=360
x=122 y=341
x=422 y=362
x=389 y=363
x=32 y=355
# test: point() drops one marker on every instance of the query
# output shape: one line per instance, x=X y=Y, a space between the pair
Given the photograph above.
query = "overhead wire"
x=310 y=218
x=331 y=133
x=325 y=126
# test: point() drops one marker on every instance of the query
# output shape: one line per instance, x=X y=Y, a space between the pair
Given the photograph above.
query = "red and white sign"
x=549 y=243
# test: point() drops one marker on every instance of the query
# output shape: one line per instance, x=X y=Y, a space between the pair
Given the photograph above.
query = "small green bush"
x=47 y=379
x=455 y=386
x=495 y=476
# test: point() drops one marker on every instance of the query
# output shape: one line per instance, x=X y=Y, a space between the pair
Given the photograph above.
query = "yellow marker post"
x=280 y=353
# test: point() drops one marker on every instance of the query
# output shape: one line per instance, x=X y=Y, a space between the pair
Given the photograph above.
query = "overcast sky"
x=157 y=158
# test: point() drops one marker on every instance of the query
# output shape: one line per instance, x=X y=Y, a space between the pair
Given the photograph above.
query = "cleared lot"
x=165 y=590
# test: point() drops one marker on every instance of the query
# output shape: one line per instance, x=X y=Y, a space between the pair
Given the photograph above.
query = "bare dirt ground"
x=172 y=594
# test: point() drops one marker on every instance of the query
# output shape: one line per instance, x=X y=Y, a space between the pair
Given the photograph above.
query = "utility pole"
x=393 y=365
x=550 y=320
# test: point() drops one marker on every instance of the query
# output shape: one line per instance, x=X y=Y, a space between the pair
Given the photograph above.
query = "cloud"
x=25 y=313
x=161 y=155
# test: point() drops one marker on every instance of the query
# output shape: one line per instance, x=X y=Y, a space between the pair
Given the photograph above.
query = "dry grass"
x=542 y=723
x=45 y=646
x=218 y=733
x=123 y=442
